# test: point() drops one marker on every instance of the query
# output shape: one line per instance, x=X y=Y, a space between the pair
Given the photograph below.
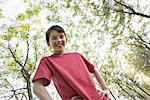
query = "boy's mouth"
x=60 y=45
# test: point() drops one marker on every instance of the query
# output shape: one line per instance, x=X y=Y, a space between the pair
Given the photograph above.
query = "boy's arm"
x=40 y=91
x=100 y=79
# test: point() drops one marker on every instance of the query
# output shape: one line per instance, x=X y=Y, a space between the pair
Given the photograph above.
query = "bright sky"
x=12 y=8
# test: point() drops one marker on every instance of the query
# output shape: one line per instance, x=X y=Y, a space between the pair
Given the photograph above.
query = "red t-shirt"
x=70 y=73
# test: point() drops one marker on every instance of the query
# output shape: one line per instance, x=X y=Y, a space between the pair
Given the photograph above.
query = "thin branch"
x=132 y=11
x=27 y=42
x=129 y=88
x=141 y=96
x=124 y=90
x=13 y=90
x=23 y=95
x=138 y=86
x=13 y=55
x=112 y=95
x=128 y=7
x=142 y=39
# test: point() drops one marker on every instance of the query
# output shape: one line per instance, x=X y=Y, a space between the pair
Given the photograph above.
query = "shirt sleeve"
x=88 y=64
x=43 y=72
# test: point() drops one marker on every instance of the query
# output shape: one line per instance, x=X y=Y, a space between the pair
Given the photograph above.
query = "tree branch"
x=13 y=90
x=131 y=10
x=138 y=86
x=13 y=55
x=140 y=40
x=132 y=89
x=27 y=42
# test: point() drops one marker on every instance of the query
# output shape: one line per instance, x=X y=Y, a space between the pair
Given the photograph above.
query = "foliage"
x=112 y=34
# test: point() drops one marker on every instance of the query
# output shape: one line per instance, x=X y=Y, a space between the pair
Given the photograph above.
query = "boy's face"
x=57 y=42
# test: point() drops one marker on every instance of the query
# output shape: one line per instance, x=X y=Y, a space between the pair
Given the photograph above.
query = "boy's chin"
x=59 y=51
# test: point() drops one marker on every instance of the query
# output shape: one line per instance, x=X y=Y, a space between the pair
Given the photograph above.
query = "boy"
x=70 y=72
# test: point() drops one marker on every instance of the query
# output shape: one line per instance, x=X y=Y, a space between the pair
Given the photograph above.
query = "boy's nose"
x=58 y=39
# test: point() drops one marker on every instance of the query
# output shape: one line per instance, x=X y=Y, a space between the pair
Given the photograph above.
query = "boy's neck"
x=58 y=52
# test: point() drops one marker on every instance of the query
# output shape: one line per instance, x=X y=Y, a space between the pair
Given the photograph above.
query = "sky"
x=12 y=8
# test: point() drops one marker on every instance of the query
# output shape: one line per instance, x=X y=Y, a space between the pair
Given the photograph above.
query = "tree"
x=104 y=31
x=20 y=48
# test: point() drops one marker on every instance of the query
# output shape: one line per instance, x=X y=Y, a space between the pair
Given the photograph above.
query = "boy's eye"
x=53 y=38
x=62 y=36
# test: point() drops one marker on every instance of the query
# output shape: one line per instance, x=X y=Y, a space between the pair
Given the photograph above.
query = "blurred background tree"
x=113 y=34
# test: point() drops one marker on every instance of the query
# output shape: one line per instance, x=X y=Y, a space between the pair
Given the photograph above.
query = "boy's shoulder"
x=51 y=56
x=42 y=58
x=66 y=53
x=73 y=52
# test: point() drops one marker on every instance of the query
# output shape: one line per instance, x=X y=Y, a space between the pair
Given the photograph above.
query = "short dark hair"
x=57 y=28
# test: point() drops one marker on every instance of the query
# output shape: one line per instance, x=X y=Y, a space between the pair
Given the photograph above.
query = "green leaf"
x=52 y=7
x=129 y=18
x=38 y=21
x=24 y=27
x=21 y=17
x=25 y=0
x=30 y=12
x=106 y=8
x=37 y=10
x=106 y=28
x=5 y=83
x=12 y=66
x=68 y=3
x=58 y=19
x=95 y=13
x=12 y=32
x=122 y=18
x=1 y=13
x=23 y=35
x=49 y=18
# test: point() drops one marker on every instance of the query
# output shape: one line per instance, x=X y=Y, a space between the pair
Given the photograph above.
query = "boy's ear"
x=49 y=45
x=66 y=39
